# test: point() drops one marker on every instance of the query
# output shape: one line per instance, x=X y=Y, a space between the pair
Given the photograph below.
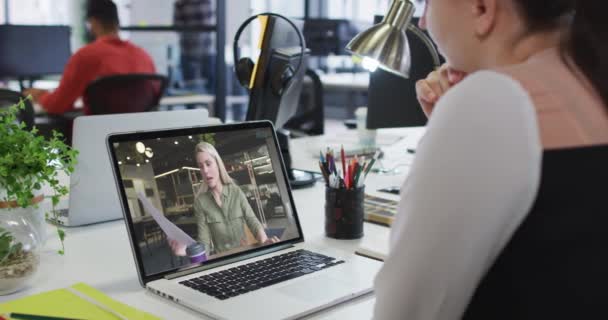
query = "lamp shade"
x=387 y=42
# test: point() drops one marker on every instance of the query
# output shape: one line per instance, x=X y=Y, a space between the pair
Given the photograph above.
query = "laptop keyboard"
x=257 y=275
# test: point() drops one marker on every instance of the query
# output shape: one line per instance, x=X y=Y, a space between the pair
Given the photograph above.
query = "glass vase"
x=19 y=248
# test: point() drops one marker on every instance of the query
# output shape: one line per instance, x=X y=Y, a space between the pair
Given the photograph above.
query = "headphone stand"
x=298 y=179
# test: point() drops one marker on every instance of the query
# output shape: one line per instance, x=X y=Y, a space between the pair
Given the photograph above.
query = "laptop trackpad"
x=317 y=289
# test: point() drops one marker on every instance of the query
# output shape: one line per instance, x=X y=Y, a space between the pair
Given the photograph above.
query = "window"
x=363 y=10
x=291 y=9
x=357 y=10
x=39 y=12
x=2 y=12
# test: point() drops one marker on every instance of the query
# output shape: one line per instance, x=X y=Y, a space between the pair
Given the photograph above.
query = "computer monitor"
x=328 y=36
x=279 y=49
x=271 y=97
x=392 y=101
x=29 y=52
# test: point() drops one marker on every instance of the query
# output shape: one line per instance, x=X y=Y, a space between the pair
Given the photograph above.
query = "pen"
x=343 y=162
x=23 y=316
x=358 y=175
x=371 y=163
x=347 y=177
x=324 y=172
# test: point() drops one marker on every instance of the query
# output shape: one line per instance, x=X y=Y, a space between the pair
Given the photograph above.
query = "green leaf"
x=25 y=165
x=61 y=234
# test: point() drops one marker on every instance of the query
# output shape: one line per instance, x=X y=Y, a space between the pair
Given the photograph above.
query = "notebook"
x=63 y=303
x=374 y=246
x=380 y=210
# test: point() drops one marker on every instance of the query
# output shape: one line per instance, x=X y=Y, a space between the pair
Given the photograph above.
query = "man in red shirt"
x=107 y=55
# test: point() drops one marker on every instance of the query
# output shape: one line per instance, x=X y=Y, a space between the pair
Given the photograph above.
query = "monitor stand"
x=297 y=178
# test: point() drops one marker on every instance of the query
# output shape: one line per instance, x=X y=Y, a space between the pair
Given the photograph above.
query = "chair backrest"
x=554 y=266
x=309 y=119
x=125 y=93
x=9 y=98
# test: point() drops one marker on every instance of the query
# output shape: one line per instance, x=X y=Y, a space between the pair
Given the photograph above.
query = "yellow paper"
x=63 y=303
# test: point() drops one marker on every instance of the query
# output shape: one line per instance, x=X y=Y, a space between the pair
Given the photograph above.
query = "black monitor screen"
x=33 y=51
x=328 y=36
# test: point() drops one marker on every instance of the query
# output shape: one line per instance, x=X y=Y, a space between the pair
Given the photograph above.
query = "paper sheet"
x=170 y=229
x=63 y=304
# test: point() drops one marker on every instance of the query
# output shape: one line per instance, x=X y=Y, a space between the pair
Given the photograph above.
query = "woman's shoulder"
x=484 y=94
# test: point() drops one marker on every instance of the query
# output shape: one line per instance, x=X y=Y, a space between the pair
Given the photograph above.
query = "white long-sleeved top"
x=474 y=179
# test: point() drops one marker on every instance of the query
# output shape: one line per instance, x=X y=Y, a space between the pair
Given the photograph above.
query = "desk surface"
x=100 y=255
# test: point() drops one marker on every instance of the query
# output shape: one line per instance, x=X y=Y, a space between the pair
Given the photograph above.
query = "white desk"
x=100 y=255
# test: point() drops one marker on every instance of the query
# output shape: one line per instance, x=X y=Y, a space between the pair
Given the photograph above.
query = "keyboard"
x=257 y=275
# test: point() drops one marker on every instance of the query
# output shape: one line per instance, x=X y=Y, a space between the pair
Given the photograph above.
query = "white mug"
x=367 y=137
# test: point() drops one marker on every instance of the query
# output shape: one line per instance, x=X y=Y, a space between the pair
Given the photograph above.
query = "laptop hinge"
x=227 y=261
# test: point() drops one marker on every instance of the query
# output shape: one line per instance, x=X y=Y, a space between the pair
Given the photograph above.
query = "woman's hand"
x=35 y=93
x=264 y=239
x=177 y=248
x=271 y=240
x=436 y=84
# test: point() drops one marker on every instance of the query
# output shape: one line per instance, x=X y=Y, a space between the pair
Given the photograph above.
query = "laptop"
x=93 y=197
x=167 y=200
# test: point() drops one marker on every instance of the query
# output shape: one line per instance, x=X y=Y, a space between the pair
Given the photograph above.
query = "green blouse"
x=222 y=228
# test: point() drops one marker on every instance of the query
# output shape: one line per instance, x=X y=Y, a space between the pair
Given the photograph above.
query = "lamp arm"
x=428 y=42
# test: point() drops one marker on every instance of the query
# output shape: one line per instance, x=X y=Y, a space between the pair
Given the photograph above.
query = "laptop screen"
x=197 y=195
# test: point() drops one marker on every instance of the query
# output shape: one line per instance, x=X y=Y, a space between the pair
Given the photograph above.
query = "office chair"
x=125 y=93
x=9 y=98
x=309 y=119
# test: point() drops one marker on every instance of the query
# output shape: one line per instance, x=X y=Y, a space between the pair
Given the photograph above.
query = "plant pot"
x=36 y=214
x=19 y=248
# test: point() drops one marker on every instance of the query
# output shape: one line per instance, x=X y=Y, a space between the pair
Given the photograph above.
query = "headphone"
x=280 y=81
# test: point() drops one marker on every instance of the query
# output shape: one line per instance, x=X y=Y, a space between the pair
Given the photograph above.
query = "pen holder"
x=344 y=213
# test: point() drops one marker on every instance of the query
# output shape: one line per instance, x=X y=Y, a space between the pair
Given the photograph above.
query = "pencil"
x=324 y=173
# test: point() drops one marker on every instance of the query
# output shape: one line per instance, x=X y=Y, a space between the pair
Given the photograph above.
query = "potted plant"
x=28 y=162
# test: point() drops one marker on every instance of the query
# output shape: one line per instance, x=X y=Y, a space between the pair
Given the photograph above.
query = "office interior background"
x=149 y=24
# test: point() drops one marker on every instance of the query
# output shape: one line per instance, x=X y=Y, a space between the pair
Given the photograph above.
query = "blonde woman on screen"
x=221 y=208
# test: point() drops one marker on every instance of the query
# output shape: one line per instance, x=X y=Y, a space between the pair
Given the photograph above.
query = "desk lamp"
x=385 y=45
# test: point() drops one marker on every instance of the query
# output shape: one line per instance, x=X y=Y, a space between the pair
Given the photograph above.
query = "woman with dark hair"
x=497 y=220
